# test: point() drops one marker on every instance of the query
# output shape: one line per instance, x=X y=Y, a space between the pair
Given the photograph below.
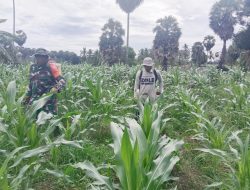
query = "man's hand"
x=158 y=93
x=53 y=90
x=137 y=94
x=25 y=101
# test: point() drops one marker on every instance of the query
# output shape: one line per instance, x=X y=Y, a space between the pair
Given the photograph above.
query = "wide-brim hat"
x=42 y=52
x=148 y=61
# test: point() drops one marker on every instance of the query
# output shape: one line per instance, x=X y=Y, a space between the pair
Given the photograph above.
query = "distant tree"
x=14 y=17
x=209 y=42
x=198 y=55
x=242 y=39
x=184 y=55
x=186 y=52
x=131 y=56
x=233 y=53
x=93 y=57
x=111 y=42
x=166 y=42
x=83 y=55
x=181 y=57
x=89 y=55
x=222 y=21
x=246 y=8
x=245 y=60
x=128 y=6
x=143 y=53
x=74 y=59
x=59 y=56
x=65 y=56
x=97 y=58
x=244 y=12
x=8 y=49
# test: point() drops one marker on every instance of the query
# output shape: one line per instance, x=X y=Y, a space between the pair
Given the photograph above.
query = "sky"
x=73 y=24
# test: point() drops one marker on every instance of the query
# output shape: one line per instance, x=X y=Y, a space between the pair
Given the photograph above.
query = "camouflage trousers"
x=49 y=107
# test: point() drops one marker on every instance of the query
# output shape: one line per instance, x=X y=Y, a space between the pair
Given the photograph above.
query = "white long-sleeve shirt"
x=147 y=87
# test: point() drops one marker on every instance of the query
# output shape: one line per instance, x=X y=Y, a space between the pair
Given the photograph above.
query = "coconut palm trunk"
x=165 y=60
x=128 y=6
x=223 y=54
x=14 y=18
x=127 y=38
x=165 y=63
x=14 y=32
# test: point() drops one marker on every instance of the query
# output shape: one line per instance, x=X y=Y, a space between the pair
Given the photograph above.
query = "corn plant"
x=19 y=125
x=212 y=134
x=143 y=161
x=237 y=161
x=237 y=103
x=238 y=96
x=28 y=136
x=237 y=75
x=4 y=181
x=71 y=128
x=148 y=115
x=185 y=101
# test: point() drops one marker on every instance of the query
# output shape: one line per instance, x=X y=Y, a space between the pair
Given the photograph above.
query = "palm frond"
x=129 y=6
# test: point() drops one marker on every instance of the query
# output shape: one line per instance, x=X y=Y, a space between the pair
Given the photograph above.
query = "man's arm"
x=60 y=84
x=160 y=82
x=137 y=85
x=28 y=94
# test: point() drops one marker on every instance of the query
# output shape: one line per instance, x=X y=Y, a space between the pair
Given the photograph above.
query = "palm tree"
x=198 y=55
x=14 y=25
x=14 y=18
x=166 y=42
x=128 y=6
x=209 y=42
x=222 y=21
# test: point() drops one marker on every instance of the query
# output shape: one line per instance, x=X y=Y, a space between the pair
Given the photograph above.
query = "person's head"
x=148 y=64
x=41 y=56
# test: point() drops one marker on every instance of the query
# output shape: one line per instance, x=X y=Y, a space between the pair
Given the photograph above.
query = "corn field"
x=196 y=136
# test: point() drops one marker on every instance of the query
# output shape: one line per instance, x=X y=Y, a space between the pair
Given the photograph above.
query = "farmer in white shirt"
x=146 y=81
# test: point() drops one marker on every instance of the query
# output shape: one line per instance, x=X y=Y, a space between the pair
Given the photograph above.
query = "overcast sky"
x=73 y=24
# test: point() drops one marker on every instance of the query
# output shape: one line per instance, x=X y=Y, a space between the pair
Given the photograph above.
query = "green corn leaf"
x=16 y=182
x=126 y=157
x=11 y=92
x=92 y=172
x=164 y=163
x=62 y=141
x=3 y=170
x=32 y=111
x=138 y=134
x=43 y=117
x=213 y=185
x=31 y=153
x=117 y=137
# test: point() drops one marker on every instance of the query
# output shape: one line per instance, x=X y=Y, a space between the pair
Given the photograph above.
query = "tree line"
x=224 y=16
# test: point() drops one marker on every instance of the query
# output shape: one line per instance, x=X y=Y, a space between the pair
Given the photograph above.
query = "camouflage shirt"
x=41 y=82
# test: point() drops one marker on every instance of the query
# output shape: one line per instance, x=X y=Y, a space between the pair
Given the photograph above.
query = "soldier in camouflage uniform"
x=45 y=77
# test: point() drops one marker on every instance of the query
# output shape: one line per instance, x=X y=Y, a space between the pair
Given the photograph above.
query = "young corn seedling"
x=212 y=134
x=236 y=160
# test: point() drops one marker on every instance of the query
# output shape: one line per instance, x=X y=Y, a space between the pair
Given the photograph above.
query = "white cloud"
x=71 y=25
